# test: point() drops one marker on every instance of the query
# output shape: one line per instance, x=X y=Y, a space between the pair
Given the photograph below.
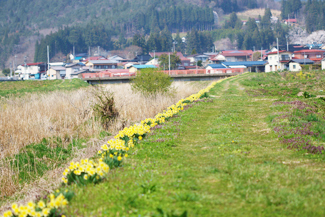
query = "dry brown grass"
x=254 y=13
x=64 y=114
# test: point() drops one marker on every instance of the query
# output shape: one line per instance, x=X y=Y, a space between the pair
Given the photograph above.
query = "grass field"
x=22 y=87
x=221 y=157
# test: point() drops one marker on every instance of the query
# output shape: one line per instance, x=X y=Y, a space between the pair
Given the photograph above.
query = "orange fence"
x=225 y=70
x=171 y=72
x=107 y=74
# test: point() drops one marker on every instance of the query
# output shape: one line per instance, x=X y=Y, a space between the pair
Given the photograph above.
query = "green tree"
x=193 y=51
x=174 y=61
x=150 y=82
x=6 y=72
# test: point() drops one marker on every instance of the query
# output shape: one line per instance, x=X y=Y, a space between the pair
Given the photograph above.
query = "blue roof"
x=217 y=66
x=245 y=63
x=78 y=58
x=144 y=66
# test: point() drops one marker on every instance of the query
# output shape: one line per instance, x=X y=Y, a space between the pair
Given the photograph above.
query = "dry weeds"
x=64 y=114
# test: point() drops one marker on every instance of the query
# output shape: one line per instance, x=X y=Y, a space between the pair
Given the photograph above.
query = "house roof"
x=217 y=66
x=245 y=63
x=96 y=58
x=102 y=61
x=79 y=72
x=236 y=53
x=303 y=61
x=202 y=55
x=144 y=66
x=34 y=64
x=75 y=64
x=143 y=58
x=310 y=51
x=82 y=55
x=276 y=52
x=291 y=20
x=58 y=68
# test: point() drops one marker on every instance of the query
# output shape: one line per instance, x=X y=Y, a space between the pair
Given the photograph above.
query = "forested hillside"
x=93 y=23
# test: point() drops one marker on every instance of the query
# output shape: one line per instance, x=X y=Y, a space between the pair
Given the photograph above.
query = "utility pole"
x=169 y=63
x=154 y=54
x=15 y=63
x=261 y=54
x=88 y=51
x=10 y=71
x=277 y=44
x=287 y=43
x=48 y=57
x=98 y=50
x=74 y=53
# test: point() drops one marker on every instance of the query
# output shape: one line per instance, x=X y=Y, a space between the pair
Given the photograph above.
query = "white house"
x=278 y=61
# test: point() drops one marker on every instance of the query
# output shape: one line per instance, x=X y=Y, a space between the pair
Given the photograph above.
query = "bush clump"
x=150 y=82
x=104 y=106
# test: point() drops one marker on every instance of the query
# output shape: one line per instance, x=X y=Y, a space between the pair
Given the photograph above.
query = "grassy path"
x=218 y=158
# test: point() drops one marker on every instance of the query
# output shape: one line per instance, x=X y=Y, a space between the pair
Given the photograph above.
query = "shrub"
x=104 y=106
x=150 y=82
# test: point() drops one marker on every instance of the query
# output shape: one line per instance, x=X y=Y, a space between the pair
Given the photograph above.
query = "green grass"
x=218 y=158
x=30 y=86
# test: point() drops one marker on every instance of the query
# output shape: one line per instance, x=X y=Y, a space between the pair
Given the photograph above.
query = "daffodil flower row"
x=40 y=209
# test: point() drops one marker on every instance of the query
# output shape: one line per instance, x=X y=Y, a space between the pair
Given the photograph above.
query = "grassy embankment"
x=22 y=87
x=220 y=158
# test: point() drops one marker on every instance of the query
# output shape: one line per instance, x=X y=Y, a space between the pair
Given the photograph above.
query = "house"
x=154 y=62
x=290 y=21
x=291 y=47
x=56 y=64
x=94 y=58
x=201 y=57
x=78 y=74
x=80 y=57
x=141 y=59
x=100 y=65
x=74 y=69
x=278 y=60
x=29 y=70
x=252 y=66
x=117 y=58
x=323 y=64
x=295 y=64
x=220 y=68
x=233 y=56
x=312 y=54
x=56 y=72
x=136 y=68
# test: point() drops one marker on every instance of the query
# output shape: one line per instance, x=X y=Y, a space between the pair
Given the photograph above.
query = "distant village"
x=290 y=57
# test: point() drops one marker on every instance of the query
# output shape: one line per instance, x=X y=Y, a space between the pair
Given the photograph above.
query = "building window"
x=294 y=66
x=306 y=56
x=318 y=56
x=270 y=58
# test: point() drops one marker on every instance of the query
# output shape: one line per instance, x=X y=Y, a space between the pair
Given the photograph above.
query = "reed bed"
x=68 y=115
